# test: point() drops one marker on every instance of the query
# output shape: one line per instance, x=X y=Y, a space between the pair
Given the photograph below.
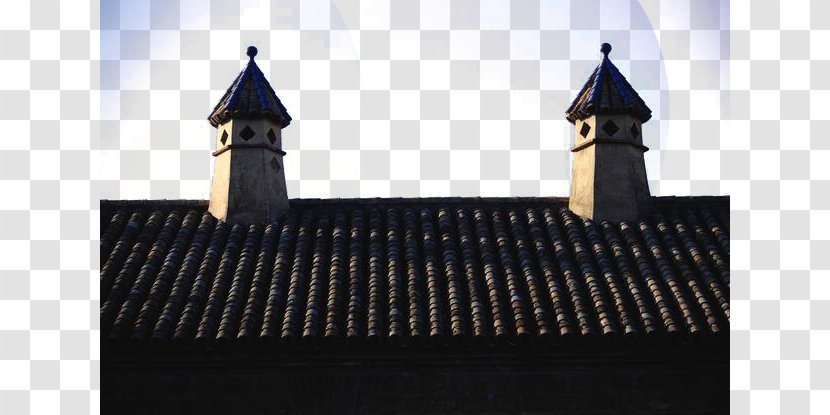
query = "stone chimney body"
x=248 y=184
x=609 y=181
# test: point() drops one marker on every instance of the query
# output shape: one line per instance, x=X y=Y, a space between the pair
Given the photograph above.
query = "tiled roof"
x=412 y=271
x=607 y=92
x=250 y=96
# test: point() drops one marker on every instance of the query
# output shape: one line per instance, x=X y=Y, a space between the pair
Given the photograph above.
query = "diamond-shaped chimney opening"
x=585 y=130
x=247 y=133
x=275 y=164
x=610 y=127
x=634 y=131
x=224 y=138
x=271 y=136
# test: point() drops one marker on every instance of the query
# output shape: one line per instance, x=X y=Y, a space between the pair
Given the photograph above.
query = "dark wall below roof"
x=692 y=383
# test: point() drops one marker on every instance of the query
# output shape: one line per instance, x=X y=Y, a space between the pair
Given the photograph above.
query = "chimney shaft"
x=248 y=179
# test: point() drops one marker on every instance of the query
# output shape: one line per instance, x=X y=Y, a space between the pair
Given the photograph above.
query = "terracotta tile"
x=430 y=272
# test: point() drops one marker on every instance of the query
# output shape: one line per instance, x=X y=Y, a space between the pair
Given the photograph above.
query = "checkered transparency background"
x=407 y=98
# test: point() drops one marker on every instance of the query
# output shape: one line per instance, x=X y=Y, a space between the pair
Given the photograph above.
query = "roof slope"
x=411 y=270
x=250 y=96
x=607 y=92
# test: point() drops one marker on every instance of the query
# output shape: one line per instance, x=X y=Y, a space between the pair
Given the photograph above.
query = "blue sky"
x=634 y=18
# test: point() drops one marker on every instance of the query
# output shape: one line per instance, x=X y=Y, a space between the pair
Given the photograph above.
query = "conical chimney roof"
x=250 y=97
x=607 y=92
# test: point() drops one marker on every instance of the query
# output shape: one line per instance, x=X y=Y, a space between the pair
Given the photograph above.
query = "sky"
x=642 y=16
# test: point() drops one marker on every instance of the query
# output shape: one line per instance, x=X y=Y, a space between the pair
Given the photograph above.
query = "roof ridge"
x=403 y=199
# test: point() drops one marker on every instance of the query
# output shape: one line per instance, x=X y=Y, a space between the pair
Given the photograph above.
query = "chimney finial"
x=605 y=48
x=251 y=52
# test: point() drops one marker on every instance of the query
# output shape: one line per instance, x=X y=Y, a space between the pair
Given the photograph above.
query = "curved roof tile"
x=432 y=271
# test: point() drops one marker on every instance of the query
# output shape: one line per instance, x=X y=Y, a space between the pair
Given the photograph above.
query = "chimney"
x=248 y=179
x=609 y=172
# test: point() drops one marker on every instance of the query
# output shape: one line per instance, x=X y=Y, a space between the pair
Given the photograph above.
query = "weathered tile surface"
x=418 y=271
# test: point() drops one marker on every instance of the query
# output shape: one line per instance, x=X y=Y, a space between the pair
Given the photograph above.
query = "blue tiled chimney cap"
x=250 y=96
x=607 y=92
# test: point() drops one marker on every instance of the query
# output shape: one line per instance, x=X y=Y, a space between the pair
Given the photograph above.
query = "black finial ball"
x=252 y=51
x=605 y=48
